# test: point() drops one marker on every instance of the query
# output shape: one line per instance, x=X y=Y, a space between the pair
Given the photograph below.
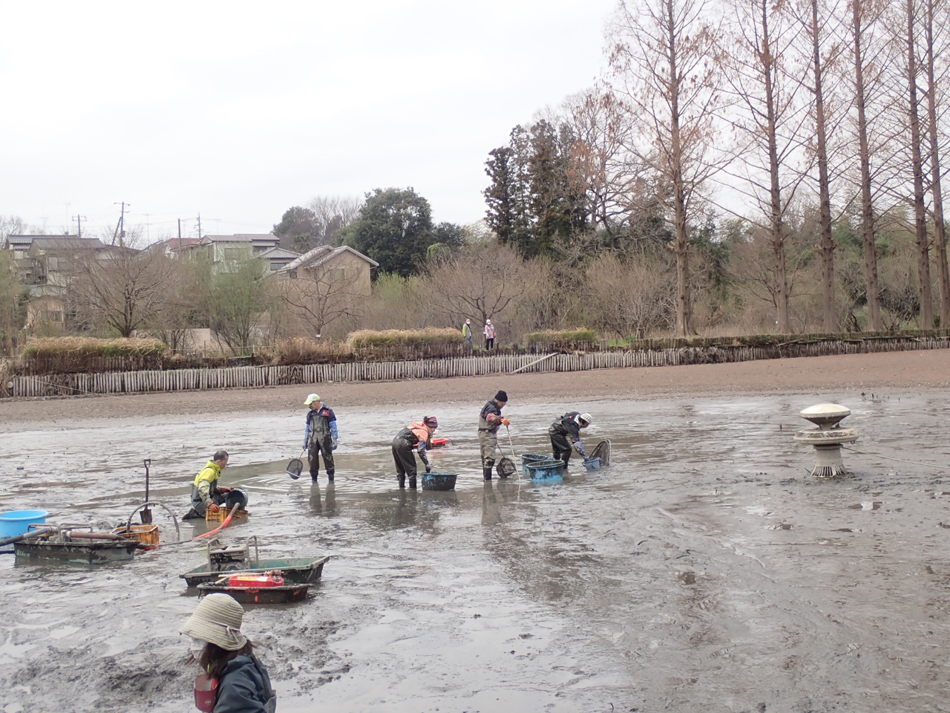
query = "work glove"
x=580 y=449
x=332 y=444
x=428 y=469
x=224 y=490
x=213 y=507
x=505 y=422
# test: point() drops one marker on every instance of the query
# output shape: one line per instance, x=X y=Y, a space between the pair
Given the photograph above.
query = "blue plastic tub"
x=549 y=469
x=532 y=459
x=17 y=522
x=592 y=464
x=439 y=481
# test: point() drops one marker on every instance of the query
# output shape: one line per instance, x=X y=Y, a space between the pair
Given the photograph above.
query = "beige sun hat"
x=311 y=399
x=217 y=619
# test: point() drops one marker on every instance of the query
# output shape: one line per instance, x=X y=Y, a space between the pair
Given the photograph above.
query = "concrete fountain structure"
x=827 y=438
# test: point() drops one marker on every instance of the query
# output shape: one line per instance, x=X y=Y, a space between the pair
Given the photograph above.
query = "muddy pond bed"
x=704 y=569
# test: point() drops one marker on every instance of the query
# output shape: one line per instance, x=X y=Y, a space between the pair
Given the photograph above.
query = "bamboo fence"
x=243 y=377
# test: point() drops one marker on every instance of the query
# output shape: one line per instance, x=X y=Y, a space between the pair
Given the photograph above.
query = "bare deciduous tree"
x=321 y=299
x=818 y=22
x=615 y=181
x=911 y=72
x=629 y=298
x=121 y=288
x=867 y=67
x=770 y=127
x=480 y=281
x=667 y=71
x=936 y=36
x=334 y=213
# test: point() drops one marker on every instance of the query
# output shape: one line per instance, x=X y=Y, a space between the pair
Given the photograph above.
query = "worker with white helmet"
x=565 y=435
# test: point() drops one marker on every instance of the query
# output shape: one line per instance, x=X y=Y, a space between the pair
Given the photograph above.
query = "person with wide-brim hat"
x=239 y=679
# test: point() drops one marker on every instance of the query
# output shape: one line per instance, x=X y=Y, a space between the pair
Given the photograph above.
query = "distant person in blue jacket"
x=321 y=436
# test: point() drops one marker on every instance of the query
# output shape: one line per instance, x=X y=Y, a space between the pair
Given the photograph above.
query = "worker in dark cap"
x=565 y=435
x=489 y=421
x=417 y=436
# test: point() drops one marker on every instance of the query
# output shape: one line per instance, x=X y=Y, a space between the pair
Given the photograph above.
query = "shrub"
x=308 y=351
x=83 y=354
x=430 y=336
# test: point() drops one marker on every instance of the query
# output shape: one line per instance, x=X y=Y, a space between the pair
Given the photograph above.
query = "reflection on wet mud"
x=703 y=568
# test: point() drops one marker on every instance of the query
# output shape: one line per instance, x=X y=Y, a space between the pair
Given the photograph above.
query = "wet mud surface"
x=703 y=569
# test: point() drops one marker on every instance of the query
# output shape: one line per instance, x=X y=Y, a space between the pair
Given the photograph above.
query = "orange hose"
x=227 y=521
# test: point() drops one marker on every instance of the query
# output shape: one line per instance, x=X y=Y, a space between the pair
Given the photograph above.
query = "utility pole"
x=120 y=228
x=79 y=219
x=179 y=234
x=199 y=226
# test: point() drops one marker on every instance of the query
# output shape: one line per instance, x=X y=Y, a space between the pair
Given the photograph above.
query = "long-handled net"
x=295 y=467
x=506 y=466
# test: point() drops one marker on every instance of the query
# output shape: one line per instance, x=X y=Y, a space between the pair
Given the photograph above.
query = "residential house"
x=175 y=247
x=45 y=265
x=325 y=289
x=342 y=265
x=279 y=257
x=224 y=249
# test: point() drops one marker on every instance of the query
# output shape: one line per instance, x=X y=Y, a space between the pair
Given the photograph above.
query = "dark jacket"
x=490 y=417
x=321 y=426
x=567 y=425
x=244 y=688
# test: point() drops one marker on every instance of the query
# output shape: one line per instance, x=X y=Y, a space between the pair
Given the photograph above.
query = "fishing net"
x=294 y=468
x=602 y=451
x=505 y=468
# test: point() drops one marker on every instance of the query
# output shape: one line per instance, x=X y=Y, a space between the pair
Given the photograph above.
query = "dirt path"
x=831 y=375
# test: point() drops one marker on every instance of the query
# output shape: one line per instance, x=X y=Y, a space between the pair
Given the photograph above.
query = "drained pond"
x=704 y=569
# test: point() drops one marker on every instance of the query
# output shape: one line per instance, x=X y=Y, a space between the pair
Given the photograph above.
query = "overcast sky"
x=237 y=111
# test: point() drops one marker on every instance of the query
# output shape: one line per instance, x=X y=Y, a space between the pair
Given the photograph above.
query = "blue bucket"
x=439 y=481
x=17 y=522
x=592 y=464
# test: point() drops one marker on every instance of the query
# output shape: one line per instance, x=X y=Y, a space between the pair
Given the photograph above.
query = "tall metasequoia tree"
x=920 y=215
x=815 y=29
x=863 y=14
x=940 y=235
x=770 y=130
x=667 y=71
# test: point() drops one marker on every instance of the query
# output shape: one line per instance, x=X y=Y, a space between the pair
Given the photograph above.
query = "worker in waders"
x=565 y=435
x=489 y=421
x=417 y=437
x=207 y=495
x=321 y=436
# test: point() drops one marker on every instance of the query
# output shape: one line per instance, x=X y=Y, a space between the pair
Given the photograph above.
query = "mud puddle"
x=703 y=569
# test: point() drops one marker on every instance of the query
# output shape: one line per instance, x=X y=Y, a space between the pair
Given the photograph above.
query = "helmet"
x=586 y=418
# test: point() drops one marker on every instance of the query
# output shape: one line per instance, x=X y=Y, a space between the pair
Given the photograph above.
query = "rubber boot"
x=402 y=480
x=330 y=476
x=487 y=472
x=412 y=483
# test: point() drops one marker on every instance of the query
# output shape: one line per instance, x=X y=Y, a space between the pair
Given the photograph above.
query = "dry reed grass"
x=299 y=350
x=430 y=336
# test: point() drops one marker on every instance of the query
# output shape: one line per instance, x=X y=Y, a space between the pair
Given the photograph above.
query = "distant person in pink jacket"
x=489 y=334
